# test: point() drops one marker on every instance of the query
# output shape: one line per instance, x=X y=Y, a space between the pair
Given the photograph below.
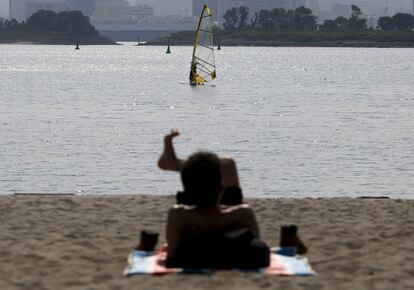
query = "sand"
x=81 y=242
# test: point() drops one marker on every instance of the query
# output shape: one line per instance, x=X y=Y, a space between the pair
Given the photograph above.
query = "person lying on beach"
x=232 y=194
x=205 y=234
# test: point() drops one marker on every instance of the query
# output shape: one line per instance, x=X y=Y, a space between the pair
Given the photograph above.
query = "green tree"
x=43 y=20
x=341 y=24
x=253 y=21
x=243 y=13
x=403 y=21
x=281 y=18
x=236 y=18
x=355 y=22
x=76 y=23
x=72 y=22
x=385 y=23
x=264 y=20
x=6 y=24
x=231 y=18
x=303 y=19
x=356 y=11
x=11 y=24
x=328 y=25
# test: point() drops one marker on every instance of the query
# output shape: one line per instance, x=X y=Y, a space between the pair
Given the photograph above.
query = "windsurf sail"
x=203 y=66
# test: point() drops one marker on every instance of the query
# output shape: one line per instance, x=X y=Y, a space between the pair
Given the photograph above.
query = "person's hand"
x=168 y=160
x=169 y=137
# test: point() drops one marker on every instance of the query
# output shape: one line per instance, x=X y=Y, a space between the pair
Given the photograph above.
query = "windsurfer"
x=193 y=73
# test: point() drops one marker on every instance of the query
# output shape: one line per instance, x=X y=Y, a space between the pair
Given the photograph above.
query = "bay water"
x=300 y=122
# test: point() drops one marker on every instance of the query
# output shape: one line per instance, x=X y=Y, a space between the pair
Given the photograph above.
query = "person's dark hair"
x=201 y=178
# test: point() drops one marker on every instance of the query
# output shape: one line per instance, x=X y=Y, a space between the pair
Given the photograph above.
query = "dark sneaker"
x=289 y=238
x=148 y=241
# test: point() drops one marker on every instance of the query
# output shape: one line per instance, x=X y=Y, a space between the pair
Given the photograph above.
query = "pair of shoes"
x=148 y=241
x=289 y=238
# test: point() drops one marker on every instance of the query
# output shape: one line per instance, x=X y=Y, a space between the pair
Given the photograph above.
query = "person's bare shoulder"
x=237 y=208
x=243 y=216
x=242 y=211
x=180 y=209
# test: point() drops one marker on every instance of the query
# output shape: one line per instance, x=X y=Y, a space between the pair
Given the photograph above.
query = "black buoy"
x=168 y=48
x=219 y=45
x=77 y=45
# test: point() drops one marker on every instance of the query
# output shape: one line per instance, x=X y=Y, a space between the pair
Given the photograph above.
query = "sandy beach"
x=81 y=242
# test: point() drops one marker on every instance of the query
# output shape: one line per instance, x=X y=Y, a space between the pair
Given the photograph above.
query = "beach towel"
x=153 y=263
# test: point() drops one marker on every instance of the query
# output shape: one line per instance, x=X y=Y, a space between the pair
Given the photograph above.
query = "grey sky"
x=4 y=8
x=176 y=6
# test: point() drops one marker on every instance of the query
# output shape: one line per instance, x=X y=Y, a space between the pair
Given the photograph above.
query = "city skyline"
x=184 y=7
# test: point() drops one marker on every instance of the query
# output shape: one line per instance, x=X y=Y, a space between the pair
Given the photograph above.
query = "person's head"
x=201 y=178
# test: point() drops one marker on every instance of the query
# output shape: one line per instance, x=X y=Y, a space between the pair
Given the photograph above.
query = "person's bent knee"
x=228 y=163
x=229 y=172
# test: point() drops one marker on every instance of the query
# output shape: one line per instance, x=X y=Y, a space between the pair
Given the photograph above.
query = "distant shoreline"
x=241 y=44
x=54 y=39
x=223 y=43
x=247 y=43
x=374 y=39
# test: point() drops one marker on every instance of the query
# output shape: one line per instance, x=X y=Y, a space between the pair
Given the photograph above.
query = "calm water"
x=299 y=121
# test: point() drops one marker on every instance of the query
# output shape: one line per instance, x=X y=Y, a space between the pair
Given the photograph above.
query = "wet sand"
x=82 y=242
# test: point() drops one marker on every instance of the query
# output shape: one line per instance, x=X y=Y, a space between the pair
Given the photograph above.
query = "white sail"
x=203 y=66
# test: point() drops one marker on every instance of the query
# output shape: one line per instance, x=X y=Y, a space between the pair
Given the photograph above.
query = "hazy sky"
x=176 y=6
x=4 y=8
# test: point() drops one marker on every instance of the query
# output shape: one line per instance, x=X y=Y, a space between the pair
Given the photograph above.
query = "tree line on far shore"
x=302 y=19
x=66 y=22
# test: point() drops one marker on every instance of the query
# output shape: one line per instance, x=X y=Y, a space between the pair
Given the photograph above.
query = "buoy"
x=168 y=48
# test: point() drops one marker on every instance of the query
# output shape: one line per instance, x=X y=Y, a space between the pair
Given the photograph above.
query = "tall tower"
x=87 y=7
x=17 y=9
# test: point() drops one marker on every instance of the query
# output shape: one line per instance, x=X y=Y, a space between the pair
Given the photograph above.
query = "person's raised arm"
x=168 y=159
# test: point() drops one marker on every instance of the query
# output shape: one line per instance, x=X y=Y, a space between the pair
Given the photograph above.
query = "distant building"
x=141 y=12
x=87 y=7
x=314 y=5
x=121 y=21
x=370 y=8
x=167 y=7
x=225 y=5
x=17 y=9
x=111 y=11
x=119 y=11
x=340 y=10
x=23 y=9
x=199 y=4
x=32 y=6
